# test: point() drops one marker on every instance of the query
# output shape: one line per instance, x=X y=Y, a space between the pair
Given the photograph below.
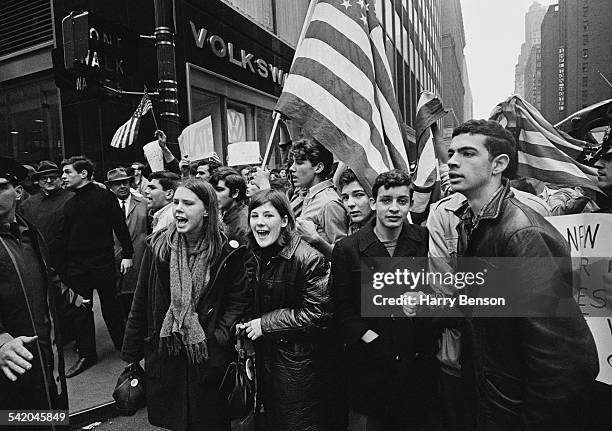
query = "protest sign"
x=590 y=239
x=154 y=156
x=196 y=140
x=243 y=153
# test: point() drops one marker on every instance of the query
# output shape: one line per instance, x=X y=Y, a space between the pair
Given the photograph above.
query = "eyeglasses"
x=46 y=178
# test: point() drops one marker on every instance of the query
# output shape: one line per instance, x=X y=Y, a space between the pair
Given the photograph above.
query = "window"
x=585 y=53
x=585 y=67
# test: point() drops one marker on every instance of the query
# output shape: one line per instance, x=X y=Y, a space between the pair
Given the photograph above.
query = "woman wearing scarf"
x=192 y=289
x=292 y=305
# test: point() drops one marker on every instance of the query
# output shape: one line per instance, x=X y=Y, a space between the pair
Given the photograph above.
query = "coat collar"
x=492 y=209
x=369 y=243
x=288 y=249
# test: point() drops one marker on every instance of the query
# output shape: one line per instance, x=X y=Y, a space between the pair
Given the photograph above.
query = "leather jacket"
x=294 y=369
x=526 y=373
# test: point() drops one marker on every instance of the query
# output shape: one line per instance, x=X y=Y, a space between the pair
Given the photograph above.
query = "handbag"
x=129 y=393
x=238 y=384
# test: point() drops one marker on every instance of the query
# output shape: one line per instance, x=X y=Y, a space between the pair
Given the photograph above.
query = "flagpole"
x=309 y=13
x=152 y=112
x=264 y=162
x=605 y=79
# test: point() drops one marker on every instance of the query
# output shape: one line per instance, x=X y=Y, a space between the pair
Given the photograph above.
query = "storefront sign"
x=219 y=39
x=236 y=56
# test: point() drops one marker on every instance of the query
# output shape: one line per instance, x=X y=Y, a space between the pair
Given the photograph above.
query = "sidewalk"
x=138 y=422
x=94 y=386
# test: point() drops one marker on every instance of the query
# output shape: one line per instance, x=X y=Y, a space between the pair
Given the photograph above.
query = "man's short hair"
x=498 y=140
x=80 y=163
x=213 y=165
x=392 y=178
x=233 y=181
x=167 y=180
x=314 y=152
x=347 y=177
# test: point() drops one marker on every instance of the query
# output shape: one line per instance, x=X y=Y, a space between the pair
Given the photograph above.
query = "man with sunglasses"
x=45 y=210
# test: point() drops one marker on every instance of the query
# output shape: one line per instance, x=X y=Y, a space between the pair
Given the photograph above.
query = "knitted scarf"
x=189 y=277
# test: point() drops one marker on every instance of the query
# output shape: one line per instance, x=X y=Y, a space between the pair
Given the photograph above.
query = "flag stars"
x=364 y=20
x=346 y=4
x=361 y=3
x=588 y=157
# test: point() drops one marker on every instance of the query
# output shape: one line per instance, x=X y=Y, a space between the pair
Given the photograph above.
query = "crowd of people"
x=186 y=258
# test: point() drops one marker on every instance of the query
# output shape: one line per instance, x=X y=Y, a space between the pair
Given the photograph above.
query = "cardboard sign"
x=243 y=153
x=154 y=156
x=590 y=239
x=196 y=140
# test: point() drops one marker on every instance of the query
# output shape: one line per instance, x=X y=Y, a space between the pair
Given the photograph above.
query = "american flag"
x=543 y=152
x=426 y=178
x=127 y=134
x=340 y=89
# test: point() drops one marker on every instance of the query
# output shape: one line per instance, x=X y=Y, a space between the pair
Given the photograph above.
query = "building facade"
x=527 y=72
x=576 y=52
x=453 y=59
x=231 y=57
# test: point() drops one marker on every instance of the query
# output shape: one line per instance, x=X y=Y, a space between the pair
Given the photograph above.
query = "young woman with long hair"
x=191 y=291
x=292 y=305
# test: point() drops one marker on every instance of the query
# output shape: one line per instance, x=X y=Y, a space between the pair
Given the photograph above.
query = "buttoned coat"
x=382 y=376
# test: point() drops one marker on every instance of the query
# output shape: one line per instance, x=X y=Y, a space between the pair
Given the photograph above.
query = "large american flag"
x=340 y=89
x=543 y=152
x=127 y=134
x=426 y=178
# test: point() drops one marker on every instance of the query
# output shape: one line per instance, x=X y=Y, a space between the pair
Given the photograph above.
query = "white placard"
x=243 y=153
x=590 y=239
x=154 y=156
x=196 y=140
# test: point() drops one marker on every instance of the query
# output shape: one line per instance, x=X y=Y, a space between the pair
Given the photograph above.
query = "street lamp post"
x=166 y=69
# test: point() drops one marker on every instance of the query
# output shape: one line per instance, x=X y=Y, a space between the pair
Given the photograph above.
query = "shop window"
x=206 y=111
x=239 y=123
x=30 y=121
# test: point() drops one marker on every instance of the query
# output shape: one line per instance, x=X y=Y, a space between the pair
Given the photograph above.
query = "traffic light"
x=75 y=31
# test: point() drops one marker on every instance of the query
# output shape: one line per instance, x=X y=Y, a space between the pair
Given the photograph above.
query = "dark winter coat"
x=527 y=373
x=28 y=392
x=294 y=361
x=388 y=375
x=181 y=396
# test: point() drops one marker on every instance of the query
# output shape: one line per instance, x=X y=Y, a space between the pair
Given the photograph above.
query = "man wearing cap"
x=31 y=365
x=135 y=209
x=45 y=210
x=91 y=218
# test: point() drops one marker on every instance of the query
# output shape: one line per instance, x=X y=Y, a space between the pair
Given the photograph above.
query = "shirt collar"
x=127 y=200
x=162 y=209
x=318 y=188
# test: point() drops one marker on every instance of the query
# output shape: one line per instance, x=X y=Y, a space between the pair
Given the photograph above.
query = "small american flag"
x=543 y=152
x=127 y=134
x=340 y=89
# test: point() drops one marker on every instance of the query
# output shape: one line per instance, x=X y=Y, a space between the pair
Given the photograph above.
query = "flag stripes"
x=128 y=132
x=543 y=152
x=426 y=178
x=340 y=89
